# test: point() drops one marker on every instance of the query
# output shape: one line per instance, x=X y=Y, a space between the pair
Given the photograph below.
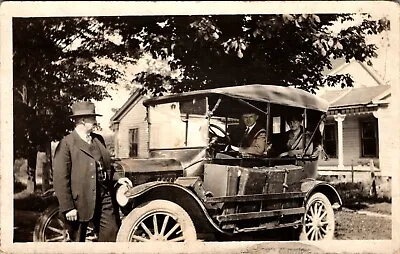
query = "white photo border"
x=9 y=10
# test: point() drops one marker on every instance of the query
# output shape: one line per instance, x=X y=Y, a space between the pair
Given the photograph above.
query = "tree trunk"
x=46 y=168
x=32 y=155
x=31 y=168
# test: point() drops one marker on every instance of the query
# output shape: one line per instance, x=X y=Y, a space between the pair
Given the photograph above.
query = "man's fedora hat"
x=84 y=108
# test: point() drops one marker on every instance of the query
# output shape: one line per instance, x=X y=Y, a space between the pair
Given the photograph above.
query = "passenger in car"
x=253 y=139
x=294 y=138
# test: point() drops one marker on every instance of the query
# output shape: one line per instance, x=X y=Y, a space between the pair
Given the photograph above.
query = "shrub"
x=353 y=194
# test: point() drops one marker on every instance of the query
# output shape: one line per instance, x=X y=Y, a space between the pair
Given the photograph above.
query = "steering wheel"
x=218 y=141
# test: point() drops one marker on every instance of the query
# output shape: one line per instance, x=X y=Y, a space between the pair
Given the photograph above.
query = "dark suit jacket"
x=254 y=141
x=75 y=174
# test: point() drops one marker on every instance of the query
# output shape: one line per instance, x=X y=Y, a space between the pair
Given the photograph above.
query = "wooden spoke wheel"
x=157 y=220
x=50 y=228
x=319 y=220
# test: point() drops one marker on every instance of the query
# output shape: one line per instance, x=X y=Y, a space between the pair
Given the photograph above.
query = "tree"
x=225 y=50
x=56 y=61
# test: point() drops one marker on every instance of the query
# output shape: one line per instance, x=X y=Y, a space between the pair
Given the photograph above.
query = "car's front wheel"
x=157 y=220
x=319 y=219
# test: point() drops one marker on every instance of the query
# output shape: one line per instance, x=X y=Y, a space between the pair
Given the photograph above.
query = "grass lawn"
x=351 y=225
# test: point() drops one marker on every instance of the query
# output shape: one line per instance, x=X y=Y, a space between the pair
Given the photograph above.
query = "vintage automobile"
x=193 y=185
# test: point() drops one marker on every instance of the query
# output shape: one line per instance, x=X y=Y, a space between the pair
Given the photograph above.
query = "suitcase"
x=252 y=181
x=221 y=180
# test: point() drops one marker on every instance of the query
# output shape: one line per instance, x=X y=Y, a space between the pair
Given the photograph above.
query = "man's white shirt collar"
x=83 y=135
x=250 y=127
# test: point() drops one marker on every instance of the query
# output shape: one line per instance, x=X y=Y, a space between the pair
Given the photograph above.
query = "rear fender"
x=179 y=195
x=311 y=186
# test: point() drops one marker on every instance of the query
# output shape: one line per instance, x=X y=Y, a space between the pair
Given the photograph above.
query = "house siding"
x=135 y=118
x=352 y=142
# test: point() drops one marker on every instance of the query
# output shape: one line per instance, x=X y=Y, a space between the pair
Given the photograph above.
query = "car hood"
x=149 y=165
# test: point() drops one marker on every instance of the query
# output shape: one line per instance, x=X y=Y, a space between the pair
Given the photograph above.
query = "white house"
x=358 y=135
x=130 y=128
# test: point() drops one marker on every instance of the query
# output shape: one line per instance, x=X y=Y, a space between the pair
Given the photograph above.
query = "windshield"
x=178 y=124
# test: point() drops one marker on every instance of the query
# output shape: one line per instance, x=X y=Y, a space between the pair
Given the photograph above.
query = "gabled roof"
x=337 y=65
x=356 y=96
x=128 y=105
x=334 y=95
x=341 y=63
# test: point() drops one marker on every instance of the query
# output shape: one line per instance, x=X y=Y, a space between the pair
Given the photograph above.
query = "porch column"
x=339 y=118
x=386 y=141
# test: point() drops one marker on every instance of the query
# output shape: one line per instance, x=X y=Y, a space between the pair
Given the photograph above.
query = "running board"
x=268 y=226
x=256 y=197
x=259 y=215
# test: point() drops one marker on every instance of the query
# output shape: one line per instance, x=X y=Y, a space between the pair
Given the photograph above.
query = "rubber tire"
x=148 y=208
x=43 y=221
x=330 y=216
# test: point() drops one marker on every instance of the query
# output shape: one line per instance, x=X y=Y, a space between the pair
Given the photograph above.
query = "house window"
x=330 y=141
x=276 y=124
x=369 y=139
x=133 y=142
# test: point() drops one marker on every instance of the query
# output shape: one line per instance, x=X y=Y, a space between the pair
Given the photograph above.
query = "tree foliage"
x=56 y=62
x=225 y=50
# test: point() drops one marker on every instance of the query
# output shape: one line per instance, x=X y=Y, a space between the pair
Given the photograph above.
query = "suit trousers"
x=106 y=219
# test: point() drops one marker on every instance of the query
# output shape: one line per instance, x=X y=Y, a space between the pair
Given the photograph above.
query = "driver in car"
x=253 y=140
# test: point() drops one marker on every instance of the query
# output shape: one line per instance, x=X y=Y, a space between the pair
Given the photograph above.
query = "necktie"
x=247 y=131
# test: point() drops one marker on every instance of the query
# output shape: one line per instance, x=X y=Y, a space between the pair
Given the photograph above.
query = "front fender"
x=311 y=186
x=139 y=190
x=178 y=194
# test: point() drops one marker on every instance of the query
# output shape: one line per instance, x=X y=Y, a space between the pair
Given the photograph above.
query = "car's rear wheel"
x=50 y=228
x=319 y=219
x=157 y=220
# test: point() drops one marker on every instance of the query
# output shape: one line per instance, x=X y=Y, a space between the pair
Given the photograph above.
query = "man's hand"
x=72 y=215
x=235 y=148
x=284 y=154
x=125 y=181
x=291 y=153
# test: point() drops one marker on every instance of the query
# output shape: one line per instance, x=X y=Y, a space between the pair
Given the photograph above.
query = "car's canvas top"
x=288 y=96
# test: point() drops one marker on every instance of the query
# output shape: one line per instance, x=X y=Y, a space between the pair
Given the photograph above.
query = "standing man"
x=83 y=179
